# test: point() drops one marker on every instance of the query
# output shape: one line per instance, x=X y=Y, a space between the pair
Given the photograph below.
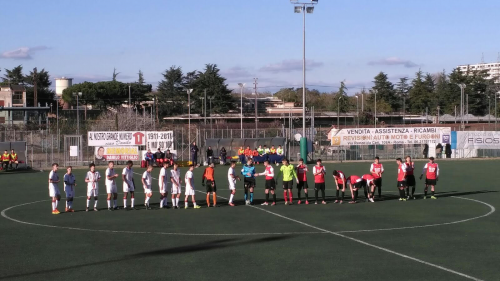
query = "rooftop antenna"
x=498 y=58
x=482 y=58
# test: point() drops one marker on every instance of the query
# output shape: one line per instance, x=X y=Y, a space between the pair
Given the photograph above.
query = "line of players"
x=369 y=183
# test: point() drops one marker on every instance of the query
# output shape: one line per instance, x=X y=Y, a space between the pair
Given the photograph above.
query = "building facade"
x=12 y=96
x=492 y=68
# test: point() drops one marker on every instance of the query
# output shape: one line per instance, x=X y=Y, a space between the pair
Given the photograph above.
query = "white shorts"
x=126 y=188
x=111 y=189
x=175 y=189
x=92 y=192
x=70 y=192
x=189 y=191
x=369 y=182
x=232 y=185
x=54 y=191
x=147 y=190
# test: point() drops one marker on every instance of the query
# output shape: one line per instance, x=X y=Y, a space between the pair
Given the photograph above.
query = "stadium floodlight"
x=242 y=85
x=189 y=91
x=304 y=8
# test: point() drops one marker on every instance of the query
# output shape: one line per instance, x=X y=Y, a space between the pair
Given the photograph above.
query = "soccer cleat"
x=414 y=198
x=307 y=202
x=298 y=203
x=115 y=208
x=434 y=197
x=336 y=201
x=96 y=210
x=371 y=200
x=400 y=199
x=197 y=207
x=71 y=210
x=264 y=204
x=274 y=204
x=352 y=202
x=66 y=210
x=290 y=203
x=148 y=208
x=404 y=199
x=286 y=202
x=185 y=206
x=247 y=202
x=109 y=209
x=55 y=213
x=208 y=206
x=316 y=203
x=231 y=204
x=341 y=202
x=86 y=209
x=324 y=202
x=425 y=197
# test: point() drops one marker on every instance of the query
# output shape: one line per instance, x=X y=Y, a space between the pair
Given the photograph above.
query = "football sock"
x=284 y=195
x=95 y=203
x=177 y=202
x=147 y=200
x=298 y=194
x=401 y=193
x=57 y=202
x=412 y=191
x=408 y=191
x=355 y=195
x=88 y=203
x=246 y=196
x=379 y=188
x=132 y=202
x=251 y=197
x=307 y=196
x=109 y=203
x=67 y=203
x=274 y=198
x=323 y=194
x=186 y=203
x=114 y=203
x=425 y=192
x=53 y=205
x=290 y=195
x=342 y=198
x=316 y=194
x=161 y=202
x=267 y=197
x=432 y=192
x=338 y=195
x=124 y=202
x=214 y=197
x=165 y=202
x=231 y=198
x=194 y=203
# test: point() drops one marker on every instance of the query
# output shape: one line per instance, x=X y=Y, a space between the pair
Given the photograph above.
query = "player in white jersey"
x=69 y=188
x=54 y=189
x=175 y=178
x=111 y=189
x=190 y=188
x=128 y=185
x=232 y=177
x=146 y=184
x=92 y=180
x=163 y=184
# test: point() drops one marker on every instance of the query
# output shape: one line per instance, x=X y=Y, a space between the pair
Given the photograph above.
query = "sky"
x=346 y=40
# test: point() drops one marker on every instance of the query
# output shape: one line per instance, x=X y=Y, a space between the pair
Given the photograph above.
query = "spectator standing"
x=194 y=153
x=223 y=155
x=149 y=157
x=210 y=155
x=439 y=150
x=158 y=155
x=447 y=150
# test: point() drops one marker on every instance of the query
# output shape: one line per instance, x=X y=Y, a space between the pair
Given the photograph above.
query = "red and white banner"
x=117 y=153
x=116 y=138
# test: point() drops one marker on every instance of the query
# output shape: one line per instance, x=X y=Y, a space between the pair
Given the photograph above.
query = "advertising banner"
x=116 y=153
x=476 y=140
x=387 y=136
x=116 y=138
x=162 y=140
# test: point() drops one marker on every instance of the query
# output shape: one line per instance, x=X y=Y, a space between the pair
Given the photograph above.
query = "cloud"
x=394 y=61
x=22 y=53
x=236 y=72
x=289 y=66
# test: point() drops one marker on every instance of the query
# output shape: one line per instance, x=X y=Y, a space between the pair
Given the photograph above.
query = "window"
x=17 y=98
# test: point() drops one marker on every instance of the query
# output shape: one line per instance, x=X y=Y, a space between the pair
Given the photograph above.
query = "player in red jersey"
x=319 y=180
x=302 y=176
x=377 y=169
x=369 y=184
x=340 y=182
x=270 y=182
x=401 y=179
x=355 y=183
x=410 y=178
x=431 y=171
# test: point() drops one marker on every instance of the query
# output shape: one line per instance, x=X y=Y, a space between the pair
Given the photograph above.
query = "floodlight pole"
x=462 y=88
x=357 y=109
x=189 y=91
x=304 y=11
x=241 y=109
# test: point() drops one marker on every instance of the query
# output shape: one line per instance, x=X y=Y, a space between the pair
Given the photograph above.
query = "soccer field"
x=453 y=238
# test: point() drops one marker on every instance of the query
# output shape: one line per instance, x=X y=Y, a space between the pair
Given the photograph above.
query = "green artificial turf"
x=259 y=242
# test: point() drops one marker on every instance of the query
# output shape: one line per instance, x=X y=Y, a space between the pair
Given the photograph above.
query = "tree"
x=115 y=74
x=216 y=88
x=419 y=94
x=402 y=90
x=14 y=76
x=287 y=95
x=45 y=95
x=141 y=78
x=171 y=94
x=385 y=90
x=342 y=98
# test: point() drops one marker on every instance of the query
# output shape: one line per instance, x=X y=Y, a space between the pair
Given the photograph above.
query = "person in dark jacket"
x=447 y=150
x=223 y=155
x=158 y=154
x=194 y=153
x=210 y=155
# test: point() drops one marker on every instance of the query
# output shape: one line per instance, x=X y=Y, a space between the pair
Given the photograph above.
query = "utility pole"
x=35 y=90
x=205 y=101
x=255 y=91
